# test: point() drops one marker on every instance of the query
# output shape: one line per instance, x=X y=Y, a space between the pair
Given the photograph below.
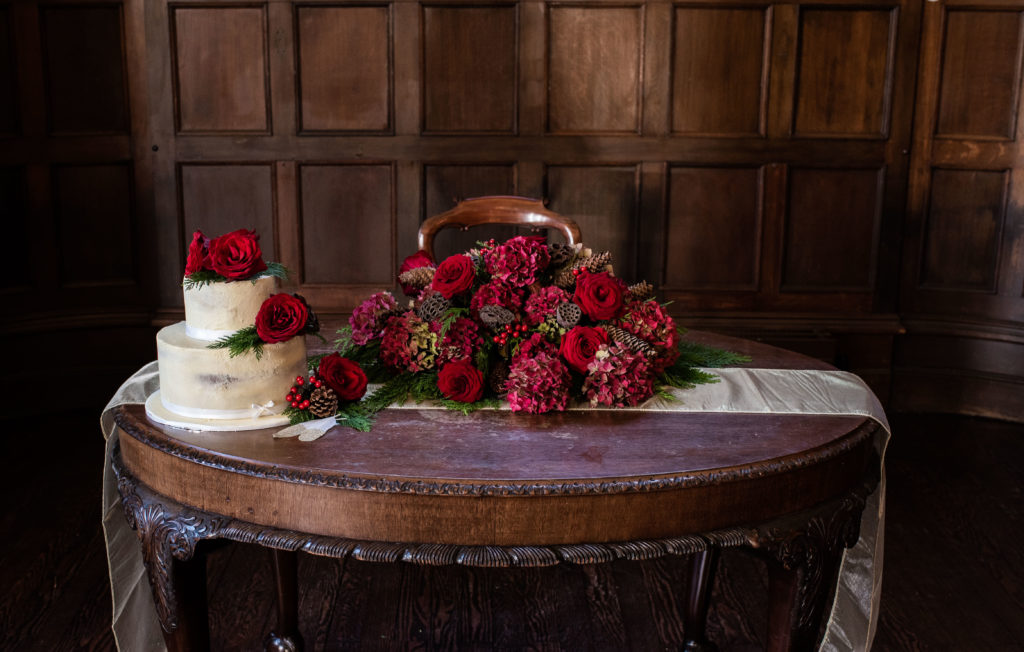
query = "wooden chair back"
x=518 y=211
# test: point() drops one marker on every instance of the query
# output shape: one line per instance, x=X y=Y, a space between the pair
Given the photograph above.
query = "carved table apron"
x=502 y=489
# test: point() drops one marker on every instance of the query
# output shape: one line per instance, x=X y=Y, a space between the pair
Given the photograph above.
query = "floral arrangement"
x=234 y=256
x=539 y=325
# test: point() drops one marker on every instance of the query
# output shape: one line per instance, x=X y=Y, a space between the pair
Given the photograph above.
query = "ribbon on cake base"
x=854 y=614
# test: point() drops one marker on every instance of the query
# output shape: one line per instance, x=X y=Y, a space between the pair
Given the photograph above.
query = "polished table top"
x=504 y=479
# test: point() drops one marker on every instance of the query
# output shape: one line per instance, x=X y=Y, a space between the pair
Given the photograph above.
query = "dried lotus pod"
x=642 y=291
x=568 y=314
x=496 y=316
x=560 y=253
x=630 y=341
x=418 y=277
x=323 y=402
x=497 y=376
x=433 y=307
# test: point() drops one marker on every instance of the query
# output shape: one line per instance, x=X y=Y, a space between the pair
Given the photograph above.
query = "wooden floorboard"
x=954 y=568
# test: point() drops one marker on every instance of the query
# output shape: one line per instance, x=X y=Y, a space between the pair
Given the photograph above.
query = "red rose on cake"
x=461 y=381
x=454 y=275
x=236 y=255
x=342 y=375
x=601 y=295
x=281 y=317
x=198 y=251
x=580 y=345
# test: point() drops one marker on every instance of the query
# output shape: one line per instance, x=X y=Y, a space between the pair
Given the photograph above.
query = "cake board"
x=156 y=411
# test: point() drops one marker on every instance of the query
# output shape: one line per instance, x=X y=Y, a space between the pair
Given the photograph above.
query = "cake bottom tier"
x=204 y=383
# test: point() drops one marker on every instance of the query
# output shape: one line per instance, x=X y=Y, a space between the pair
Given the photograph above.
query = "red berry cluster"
x=511 y=330
x=298 y=395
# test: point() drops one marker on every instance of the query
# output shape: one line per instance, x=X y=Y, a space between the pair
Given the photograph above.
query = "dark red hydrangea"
x=497 y=293
x=518 y=261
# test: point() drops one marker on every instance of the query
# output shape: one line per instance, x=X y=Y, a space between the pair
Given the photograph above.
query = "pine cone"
x=496 y=316
x=560 y=253
x=418 y=277
x=564 y=278
x=630 y=341
x=323 y=402
x=433 y=307
x=596 y=262
x=497 y=376
x=568 y=314
x=642 y=291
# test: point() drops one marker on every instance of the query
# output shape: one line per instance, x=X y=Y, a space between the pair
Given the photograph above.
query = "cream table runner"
x=854 y=614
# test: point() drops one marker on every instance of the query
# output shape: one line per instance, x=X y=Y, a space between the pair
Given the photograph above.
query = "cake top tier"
x=215 y=310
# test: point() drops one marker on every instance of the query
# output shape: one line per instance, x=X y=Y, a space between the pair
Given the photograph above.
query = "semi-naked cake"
x=198 y=382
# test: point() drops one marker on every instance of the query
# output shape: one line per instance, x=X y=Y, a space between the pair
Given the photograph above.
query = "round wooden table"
x=501 y=489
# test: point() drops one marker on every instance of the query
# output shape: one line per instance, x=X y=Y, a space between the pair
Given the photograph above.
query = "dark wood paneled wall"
x=815 y=174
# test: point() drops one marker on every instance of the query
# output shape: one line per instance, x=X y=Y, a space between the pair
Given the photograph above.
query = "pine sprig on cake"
x=243 y=341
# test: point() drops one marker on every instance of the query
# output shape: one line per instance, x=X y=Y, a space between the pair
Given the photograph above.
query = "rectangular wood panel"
x=85 y=78
x=446 y=185
x=843 y=78
x=604 y=201
x=713 y=228
x=8 y=79
x=469 y=68
x=594 y=74
x=219 y=198
x=831 y=227
x=93 y=210
x=718 y=72
x=15 y=218
x=221 y=48
x=963 y=229
x=347 y=218
x=344 y=68
x=980 y=78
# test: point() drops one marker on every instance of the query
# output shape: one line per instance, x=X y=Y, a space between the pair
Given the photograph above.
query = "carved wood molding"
x=157 y=440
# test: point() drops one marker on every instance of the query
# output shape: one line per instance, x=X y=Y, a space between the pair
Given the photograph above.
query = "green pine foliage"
x=202 y=278
x=693 y=354
x=277 y=270
x=240 y=342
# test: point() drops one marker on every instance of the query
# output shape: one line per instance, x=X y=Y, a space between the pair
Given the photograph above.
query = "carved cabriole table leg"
x=803 y=556
x=169 y=534
x=698 y=599
x=285 y=636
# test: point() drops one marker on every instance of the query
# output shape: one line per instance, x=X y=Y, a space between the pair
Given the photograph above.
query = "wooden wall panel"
x=445 y=185
x=980 y=79
x=220 y=69
x=963 y=229
x=96 y=230
x=15 y=218
x=830 y=229
x=348 y=219
x=713 y=228
x=8 y=77
x=218 y=198
x=344 y=68
x=469 y=68
x=594 y=74
x=604 y=201
x=718 y=71
x=844 y=69
x=84 y=60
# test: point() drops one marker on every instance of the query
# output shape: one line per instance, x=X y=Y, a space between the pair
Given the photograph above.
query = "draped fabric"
x=854 y=614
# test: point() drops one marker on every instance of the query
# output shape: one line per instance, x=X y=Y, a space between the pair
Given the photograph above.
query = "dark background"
x=844 y=180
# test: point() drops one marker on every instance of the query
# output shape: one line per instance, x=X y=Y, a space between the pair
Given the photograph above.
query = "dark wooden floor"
x=954 y=576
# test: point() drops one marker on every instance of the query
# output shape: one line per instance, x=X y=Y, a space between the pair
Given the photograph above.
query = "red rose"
x=417 y=260
x=236 y=255
x=601 y=296
x=461 y=381
x=344 y=376
x=197 y=252
x=454 y=275
x=281 y=317
x=580 y=344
